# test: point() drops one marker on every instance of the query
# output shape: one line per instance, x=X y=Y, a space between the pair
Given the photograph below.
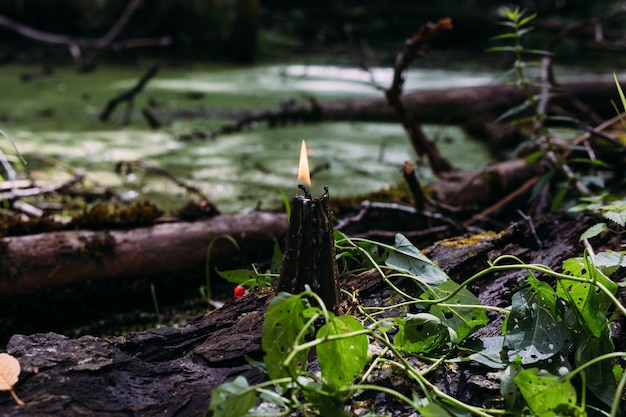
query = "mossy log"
x=171 y=371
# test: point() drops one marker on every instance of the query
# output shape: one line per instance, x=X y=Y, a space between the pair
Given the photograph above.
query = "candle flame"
x=303 y=168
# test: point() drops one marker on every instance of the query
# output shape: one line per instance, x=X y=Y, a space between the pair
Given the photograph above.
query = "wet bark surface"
x=171 y=371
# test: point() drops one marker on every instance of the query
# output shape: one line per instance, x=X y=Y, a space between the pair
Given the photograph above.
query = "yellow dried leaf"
x=9 y=373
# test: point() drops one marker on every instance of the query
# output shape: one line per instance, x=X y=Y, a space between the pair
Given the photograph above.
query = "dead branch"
x=76 y=45
x=130 y=166
x=418 y=44
x=26 y=188
x=128 y=97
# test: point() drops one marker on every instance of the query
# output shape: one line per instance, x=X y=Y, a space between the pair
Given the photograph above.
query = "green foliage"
x=610 y=208
x=534 y=329
x=462 y=311
x=231 y=399
x=555 y=345
x=285 y=325
x=407 y=258
x=341 y=358
x=423 y=333
x=547 y=394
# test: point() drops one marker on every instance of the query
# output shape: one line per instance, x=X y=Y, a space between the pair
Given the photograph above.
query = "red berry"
x=239 y=291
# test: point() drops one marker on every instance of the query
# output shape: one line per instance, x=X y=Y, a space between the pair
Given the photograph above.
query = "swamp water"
x=55 y=116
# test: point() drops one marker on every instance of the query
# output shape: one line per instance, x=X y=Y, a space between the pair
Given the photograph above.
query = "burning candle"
x=309 y=257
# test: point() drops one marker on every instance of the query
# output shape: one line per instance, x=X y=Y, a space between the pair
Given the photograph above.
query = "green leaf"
x=491 y=353
x=277 y=259
x=283 y=322
x=423 y=333
x=527 y=19
x=231 y=399
x=619 y=90
x=617 y=216
x=599 y=376
x=592 y=304
x=342 y=358
x=547 y=394
x=463 y=320
x=593 y=231
x=508 y=388
x=238 y=276
x=326 y=398
x=609 y=262
x=513 y=111
x=435 y=408
x=409 y=259
x=504 y=36
x=534 y=328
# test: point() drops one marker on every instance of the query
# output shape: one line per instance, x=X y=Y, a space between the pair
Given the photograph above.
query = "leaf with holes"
x=423 y=333
x=508 y=388
x=590 y=302
x=231 y=399
x=284 y=319
x=463 y=320
x=341 y=358
x=599 y=376
x=547 y=394
x=9 y=373
x=488 y=352
x=534 y=330
x=409 y=259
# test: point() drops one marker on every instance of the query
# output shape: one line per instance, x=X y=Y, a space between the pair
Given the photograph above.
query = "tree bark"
x=171 y=371
x=33 y=262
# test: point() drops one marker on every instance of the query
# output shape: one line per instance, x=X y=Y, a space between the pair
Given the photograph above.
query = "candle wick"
x=307 y=194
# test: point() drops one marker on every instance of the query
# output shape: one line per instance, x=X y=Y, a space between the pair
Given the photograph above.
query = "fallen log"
x=171 y=371
x=33 y=262
x=475 y=108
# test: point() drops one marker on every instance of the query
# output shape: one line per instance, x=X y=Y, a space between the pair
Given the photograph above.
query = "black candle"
x=309 y=256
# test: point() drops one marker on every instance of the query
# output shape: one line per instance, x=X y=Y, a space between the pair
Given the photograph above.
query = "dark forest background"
x=248 y=30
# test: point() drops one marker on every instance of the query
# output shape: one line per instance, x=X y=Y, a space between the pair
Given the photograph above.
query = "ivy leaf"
x=231 y=399
x=463 y=320
x=284 y=319
x=342 y=358
x=423 y=333
x=534 y=329
x=547 y=394
x=593 y=231
x=9 y=373
x=409 y=259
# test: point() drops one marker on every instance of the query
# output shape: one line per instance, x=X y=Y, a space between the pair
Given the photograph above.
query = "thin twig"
x=417 y=45
x=128 y=96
